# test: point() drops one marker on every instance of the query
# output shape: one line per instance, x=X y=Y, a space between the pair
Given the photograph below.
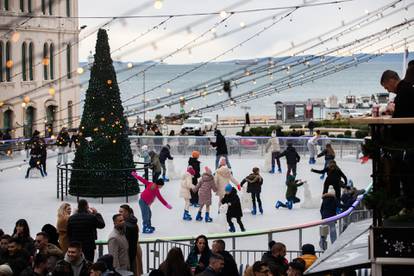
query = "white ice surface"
x=35 y=200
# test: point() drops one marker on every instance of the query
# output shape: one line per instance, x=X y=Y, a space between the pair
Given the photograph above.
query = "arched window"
x=31 y=61
x=51 y=7
x=68 y=61
x=45 y=61
x=22 y=5
x=8 y=119
x=43 y=6
x=5 y=5
x=9 y=61
x=29 y=6
x=1 y=60
x=24 y=62
x=50 y=119
x=70 y=114
x=68 y=3
x=52 y=61
x=28 y=122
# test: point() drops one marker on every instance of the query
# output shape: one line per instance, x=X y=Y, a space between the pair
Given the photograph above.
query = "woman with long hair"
x=329 y=154
x=63 y=215
x=174 y=264
x=22 y=232
x=334 y=176
x=199 y=256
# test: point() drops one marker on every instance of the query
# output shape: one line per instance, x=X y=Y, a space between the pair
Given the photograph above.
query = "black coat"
x=208 y=272
x=404 y=100
x=131 y=234
x=192 y=260
x=328 y=157
x=234 y=210
x=329 y=206
x=82 y=228
x=277 y=265
x=165 y=154
x=220 y=145
x=254 y=183
x=18 y=262
x=63 y=139
x=230 y=266
x=193 y=162
x=333 y=178
x=292 y=156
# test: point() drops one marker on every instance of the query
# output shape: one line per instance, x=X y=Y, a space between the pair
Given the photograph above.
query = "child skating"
x=292 y=158
x=195 y=163
x=204 y=187
x=291 y=190
x=152 y=191
x=222 y=178
x=234 y=207
x=254 y=187
x=185 y=191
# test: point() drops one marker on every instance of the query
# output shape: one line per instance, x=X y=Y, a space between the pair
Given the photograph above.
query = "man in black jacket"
x=230 y=266
x=82 y=228
x=221 y=147
x=292 y=158
x=277 y=262
x=164 y=155
x=74 y=262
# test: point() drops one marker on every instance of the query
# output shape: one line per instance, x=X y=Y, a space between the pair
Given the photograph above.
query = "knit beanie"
x=207 y=170
x=159 y=181
x=190 y=170
x=195 y=154
x=308 y=249
x=291 y=177
x=222 y=161
x=228 y=188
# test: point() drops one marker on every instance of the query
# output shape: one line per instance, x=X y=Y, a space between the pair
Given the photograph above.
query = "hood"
x=207 y=177
x=224 y=171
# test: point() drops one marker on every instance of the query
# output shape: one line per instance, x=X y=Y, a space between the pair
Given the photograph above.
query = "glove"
x=169 y=206
x=239 y=187
x=364 y=159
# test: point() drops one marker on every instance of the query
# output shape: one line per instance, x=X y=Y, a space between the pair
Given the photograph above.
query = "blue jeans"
x=146 y=213
x=218 y=159
x=332 y=231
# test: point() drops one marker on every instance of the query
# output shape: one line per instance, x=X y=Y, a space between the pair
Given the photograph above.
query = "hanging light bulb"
x=80 y=70
x=130 y=65
x=242 y=24
x=213 y=30
x=26 y=99
x=158 y=4
x=51 y=91
x=15 y=36
x=223 y=14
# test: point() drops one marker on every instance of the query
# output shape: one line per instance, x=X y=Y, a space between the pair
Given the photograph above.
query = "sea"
x=360 y=80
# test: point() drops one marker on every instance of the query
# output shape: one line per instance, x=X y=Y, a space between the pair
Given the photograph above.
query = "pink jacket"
x=151 y=191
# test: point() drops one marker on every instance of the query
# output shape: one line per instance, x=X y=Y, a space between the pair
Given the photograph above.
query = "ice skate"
x=186 y=215
x=207 y=217
x=199 y=217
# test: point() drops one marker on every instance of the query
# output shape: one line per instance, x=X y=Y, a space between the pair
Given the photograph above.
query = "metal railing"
x=155 y=249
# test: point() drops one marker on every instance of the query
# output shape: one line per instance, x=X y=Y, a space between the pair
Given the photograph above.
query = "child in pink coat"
x=152 y=191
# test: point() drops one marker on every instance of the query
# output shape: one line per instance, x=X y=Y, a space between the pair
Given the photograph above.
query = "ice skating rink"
x=34 y=199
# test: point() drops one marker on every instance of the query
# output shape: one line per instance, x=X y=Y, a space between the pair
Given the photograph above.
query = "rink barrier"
x=153 y=252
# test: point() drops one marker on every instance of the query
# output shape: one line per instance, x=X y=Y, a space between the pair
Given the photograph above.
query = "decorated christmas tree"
x=104 y=152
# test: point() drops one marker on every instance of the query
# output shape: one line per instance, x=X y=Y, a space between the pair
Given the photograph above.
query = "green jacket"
x=292 y=187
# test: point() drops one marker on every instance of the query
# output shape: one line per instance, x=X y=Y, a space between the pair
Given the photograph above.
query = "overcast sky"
x=303 y=24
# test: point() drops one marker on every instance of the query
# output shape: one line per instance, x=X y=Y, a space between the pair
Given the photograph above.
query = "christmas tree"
x=104 y=150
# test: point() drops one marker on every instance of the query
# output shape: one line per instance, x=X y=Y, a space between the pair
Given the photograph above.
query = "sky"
x=158 y=43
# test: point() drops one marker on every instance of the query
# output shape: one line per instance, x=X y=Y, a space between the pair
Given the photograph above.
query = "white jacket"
x=273 y=144
x=222 y=178
x=186 y=185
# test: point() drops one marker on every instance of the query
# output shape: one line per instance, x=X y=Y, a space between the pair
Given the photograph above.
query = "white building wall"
x=51 y=30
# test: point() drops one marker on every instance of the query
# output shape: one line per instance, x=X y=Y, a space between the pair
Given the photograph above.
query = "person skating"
x=147 y=159
x=164 y=155
x=195 y=163
x=221 y=148
x=205 y=185
x=254 y=187
x=62 y=143
x=274 y=145
x=185 y=191
x=328 y=209
x=334 y=176
x=329 y=154
x=234 y=207
x=291 y=190
x=35 y=158
x=152 y=191
x=292 y=158
x=155 y=166
x=312 y=142
x=222 y=177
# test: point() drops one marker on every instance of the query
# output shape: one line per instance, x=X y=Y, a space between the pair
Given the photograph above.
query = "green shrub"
x=295 y=126
x=348 y=133
x=325 y=133
x=340 y=136
x=331 y=135
x=361 y=134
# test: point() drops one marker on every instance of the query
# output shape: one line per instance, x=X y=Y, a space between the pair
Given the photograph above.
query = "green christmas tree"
x=105 y=148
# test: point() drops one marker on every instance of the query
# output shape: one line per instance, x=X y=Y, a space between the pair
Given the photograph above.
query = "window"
x=68 y=8
x=29 y=6
x=45 y=61
x=8 y=119
x=29 y=119
x=52 y=61
x=24 y=62
x=70 y=113
x=1 y=60
x=43 y=6
x=31 y=61
x=51 y=7
x=68 y=61
x=9 y=62
x=5 y=5
x=22 y=5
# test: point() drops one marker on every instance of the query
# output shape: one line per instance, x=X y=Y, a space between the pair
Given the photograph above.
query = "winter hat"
x=290 y=177
x=308 y=249
x=207 y=170
x=190 y=170
x=298 y=264
x=159 y=181
x=144 y=147
x=222 y=161
x=195 y=154
x=255 y=169
x=331 y=190
x=228 y=188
